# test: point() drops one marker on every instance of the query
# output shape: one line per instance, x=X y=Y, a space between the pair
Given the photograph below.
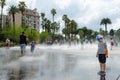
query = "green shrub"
x=44 y=36
x=2 y=44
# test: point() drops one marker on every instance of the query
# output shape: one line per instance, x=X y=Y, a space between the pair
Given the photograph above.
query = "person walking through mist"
x=23 y=43
x=33 y=43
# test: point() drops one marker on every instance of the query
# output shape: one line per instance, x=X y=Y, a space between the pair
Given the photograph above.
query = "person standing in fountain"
x=111 y=43
x=33 y=43
x=23 y=43
x=7 y=43
x=101 y=54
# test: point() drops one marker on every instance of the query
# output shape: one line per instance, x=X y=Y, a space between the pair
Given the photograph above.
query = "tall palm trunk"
x=53 y=18
x=22 y=19
x=105 y=28
x=1 y=19
x=13 y=15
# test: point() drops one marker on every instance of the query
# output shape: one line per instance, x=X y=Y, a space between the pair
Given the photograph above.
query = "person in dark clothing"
x=23 y=43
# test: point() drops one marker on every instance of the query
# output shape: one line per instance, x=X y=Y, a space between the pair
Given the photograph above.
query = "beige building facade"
x=17 y=19
x=5 y=20
x=29 y=19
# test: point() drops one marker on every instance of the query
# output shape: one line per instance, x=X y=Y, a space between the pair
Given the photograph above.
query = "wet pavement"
x=57 y=63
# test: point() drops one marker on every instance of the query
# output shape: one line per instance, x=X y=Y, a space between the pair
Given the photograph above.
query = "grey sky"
x=85 y=12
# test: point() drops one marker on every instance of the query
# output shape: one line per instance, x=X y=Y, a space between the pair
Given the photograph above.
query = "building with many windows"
x=29 y=19
x=5 y=20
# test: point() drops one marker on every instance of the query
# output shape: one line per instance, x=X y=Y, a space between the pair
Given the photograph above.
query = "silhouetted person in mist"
x=111 y=43
x=23 y=43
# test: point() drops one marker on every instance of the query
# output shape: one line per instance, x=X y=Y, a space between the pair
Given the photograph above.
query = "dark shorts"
x=102 y=58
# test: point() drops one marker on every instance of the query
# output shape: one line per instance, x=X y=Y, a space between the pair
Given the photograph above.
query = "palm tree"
x=13 y=10
x=81 y=33
x=73 y=25
x=54 y=26
x=22 y=7
x=53 y=12
x=43 y=17
x=112 y=33
x=48 y=26
x=2 y=2
x=105 y=21
x=64 y=18
x=45 y=24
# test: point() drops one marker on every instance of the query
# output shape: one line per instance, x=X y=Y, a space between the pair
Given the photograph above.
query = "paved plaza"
x=57 y=63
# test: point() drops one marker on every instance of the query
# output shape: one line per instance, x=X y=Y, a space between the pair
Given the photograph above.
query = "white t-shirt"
x=7 y=41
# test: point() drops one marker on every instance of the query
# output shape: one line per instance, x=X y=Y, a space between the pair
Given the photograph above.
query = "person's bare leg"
x=21 y=52
x=111 y=47
x=104 y=67
x=100 y=66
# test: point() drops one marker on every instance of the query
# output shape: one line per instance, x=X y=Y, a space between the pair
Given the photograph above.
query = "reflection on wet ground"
x=56 y=64
x=102 y=78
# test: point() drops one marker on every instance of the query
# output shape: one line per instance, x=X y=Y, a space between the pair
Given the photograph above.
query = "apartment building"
x=5 y=20
x=18 y=19
x=29 y=19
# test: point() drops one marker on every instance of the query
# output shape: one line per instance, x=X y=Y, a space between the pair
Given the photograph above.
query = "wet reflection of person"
x=21 y=73
x=102 y=78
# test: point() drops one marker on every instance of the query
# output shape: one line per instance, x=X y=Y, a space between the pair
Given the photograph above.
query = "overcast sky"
x=85 y=12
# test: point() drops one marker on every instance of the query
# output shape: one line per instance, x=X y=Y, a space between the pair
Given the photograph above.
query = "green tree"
x=111 y=32
x=85 y=31
x=73 y=26
x=22 y=6
x=67 y=31
x=53 y=12
x=81 y=33
x=44 y=36
x=48 y=26
x=89 y=34
x=101 y=31
x=2 y=2
x=105 y=21
x=43 y=17
x=64 y=31
x=64 y=18
x=45 y=24
x=32 y=35
x=5 y=33
x=54 y=27
x=13 y=10
x=8 y=31
x=118 y=34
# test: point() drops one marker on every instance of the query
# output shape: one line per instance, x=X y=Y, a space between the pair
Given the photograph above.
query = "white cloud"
x=62 y=4
x=115 y=25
